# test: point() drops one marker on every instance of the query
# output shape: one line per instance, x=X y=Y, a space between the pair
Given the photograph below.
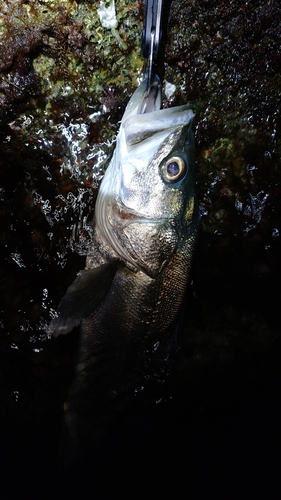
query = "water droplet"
x=17 y=259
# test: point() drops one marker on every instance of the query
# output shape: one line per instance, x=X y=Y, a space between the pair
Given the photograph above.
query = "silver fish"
x=129 y=296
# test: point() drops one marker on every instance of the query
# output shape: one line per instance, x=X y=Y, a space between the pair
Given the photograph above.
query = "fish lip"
x=130 y=216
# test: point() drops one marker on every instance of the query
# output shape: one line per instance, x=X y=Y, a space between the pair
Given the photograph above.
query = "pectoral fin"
x=82 y=298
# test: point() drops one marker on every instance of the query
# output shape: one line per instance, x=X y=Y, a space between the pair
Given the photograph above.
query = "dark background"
x=216 y=431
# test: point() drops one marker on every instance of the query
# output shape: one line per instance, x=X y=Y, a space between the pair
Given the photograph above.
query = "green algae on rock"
x=59 y=65
x=64 y=83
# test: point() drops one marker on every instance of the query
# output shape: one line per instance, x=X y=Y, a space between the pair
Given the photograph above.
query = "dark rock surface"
x=64 y=84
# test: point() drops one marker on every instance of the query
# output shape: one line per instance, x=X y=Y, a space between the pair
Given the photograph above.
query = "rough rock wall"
x=64 y=84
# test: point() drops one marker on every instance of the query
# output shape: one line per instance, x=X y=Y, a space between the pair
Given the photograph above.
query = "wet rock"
x=64 y=84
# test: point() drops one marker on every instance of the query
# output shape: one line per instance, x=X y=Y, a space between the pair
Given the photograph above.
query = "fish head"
x=146 y=202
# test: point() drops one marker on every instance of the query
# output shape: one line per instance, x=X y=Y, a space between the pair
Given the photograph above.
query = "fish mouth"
x=128 y=215
x=152 y=97
x=146 y=98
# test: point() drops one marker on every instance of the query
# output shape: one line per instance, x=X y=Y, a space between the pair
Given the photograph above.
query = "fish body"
x=130 y=294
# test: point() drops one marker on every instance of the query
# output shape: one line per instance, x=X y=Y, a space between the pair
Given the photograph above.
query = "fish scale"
x=129 y=297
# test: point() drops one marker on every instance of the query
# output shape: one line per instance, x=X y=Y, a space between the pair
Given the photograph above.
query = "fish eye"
x=174 y=169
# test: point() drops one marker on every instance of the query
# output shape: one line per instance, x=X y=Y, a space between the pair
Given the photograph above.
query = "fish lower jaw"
x=127 y=214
